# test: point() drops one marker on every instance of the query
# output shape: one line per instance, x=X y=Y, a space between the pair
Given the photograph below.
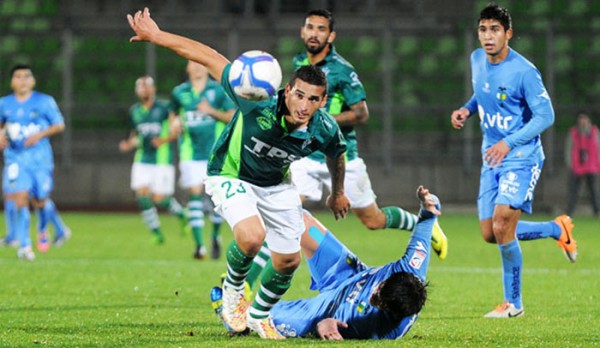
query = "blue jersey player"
x=356 y=301
x=28 y=119
x=514 y=108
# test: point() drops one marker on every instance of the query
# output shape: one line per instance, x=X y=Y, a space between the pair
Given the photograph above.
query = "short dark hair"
x=322 y=13
x=403 y=294
x=19 y=67
x=310 y=74
x=493 y=11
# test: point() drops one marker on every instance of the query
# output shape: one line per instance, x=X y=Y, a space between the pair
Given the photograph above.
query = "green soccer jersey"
x=200 y=130
x=344 y=89
x=256 y=147
x=148 y=124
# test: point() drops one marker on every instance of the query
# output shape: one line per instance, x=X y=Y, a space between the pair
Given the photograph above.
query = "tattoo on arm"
x=337 y=169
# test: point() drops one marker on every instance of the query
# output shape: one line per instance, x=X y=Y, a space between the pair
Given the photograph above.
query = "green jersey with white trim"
x=149 y=124
x=256 y=146
x=343 y=89
x=200 y=130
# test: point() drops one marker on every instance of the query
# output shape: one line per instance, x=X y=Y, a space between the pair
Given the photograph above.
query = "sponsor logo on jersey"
x=17 y=131
x=146 y=129
x=494 y=121
x=262 y=150
x=509 y=186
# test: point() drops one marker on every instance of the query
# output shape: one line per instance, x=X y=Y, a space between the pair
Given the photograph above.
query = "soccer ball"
x=255 y=75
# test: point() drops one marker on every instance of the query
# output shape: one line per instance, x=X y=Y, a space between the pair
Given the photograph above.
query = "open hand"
x=145 y=27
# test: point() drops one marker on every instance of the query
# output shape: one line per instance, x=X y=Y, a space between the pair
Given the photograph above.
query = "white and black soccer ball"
x=255 y=75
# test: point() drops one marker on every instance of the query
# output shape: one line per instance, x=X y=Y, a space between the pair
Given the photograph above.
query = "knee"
x=371 y=221
x=250 y=240
x=372 y=224
x=286 y=264
x=500 y=226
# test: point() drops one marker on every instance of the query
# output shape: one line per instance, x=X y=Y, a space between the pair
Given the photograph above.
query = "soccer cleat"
x=247 y=290
x=215 y=251
x=200 y=253
x=13 y=243
x=43 y=241
x=439 y=241
x=235 y=308
x=61 y=240
x=566 y=241
x=264 y=327
x=158 y=239
x=26 y=254
x=505 y=310
x=216 y=299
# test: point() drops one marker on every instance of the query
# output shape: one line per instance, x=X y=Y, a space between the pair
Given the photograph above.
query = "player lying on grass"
x=356 y=301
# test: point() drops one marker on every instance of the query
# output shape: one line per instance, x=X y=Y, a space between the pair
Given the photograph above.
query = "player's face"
x=316 y=34
x=302 y=101
x=196 y=71
x=493 y=37
x=144 y=88
x=22 y=81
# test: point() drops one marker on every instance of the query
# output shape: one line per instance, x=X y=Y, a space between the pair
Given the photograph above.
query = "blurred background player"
x=29 y=118
x=203 y=110
x=346 y=102
x=582 y=154
x=152 y=172
x=514 y=109
x=249 y=184
x=356 y=301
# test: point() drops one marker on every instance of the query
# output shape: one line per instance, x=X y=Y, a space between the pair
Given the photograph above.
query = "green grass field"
x=109 y=287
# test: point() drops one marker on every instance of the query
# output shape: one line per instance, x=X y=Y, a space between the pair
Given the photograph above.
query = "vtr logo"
x=494 y=121
x=262 y=149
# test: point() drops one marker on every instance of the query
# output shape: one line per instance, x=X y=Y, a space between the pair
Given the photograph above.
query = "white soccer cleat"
x=265 y=328
x=26 y=254
x=235 y=308
x=505 y=310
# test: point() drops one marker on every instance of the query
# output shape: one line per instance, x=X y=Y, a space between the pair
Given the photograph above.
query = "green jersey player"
x=248 y=175
x=202 y=109
x=346 y=102
x=152 y=172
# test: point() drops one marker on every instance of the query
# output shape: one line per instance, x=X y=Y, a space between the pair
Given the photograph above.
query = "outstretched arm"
x=146 y=29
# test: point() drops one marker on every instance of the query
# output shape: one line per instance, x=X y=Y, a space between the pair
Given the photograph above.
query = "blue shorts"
x=508 y=185
x=332 y=263
x=36 y=181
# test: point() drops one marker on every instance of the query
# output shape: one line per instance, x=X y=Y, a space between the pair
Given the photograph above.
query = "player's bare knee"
x=286 y=264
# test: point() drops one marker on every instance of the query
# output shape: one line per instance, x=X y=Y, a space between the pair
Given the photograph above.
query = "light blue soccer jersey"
x=512 y=104
x=23 y=119
x=346 y=298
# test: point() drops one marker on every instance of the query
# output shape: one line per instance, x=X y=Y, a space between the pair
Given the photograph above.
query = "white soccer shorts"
x=310 y=177
x=159 y=178
x=193 y=173
x=278 y=207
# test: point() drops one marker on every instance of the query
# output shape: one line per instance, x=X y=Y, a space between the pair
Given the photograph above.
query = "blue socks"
x=10 y=214
x=50 y=214
x=527 y=230
x=512 y=266
x=22 y=226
